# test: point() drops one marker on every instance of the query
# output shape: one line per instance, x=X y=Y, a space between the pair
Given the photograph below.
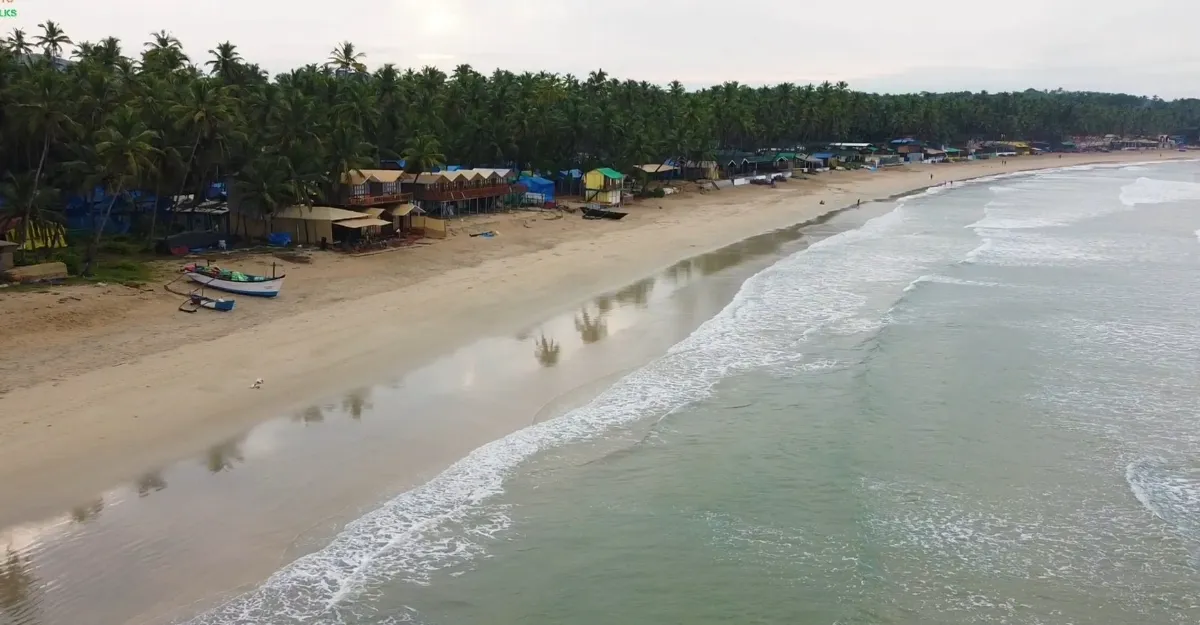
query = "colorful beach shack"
x=603 y=186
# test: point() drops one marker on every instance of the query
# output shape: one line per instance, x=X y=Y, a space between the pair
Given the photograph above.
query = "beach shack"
x=371 y=187
x=603 y=186
x=464 y=191
x=310 y=225
x=701 y=170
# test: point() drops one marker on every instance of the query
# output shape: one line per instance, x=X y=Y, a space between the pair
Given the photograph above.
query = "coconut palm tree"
x=52 y=40
x=423 y=154
x=225 y=62
x=41 y=111
x=17 y=44
x=347 y=58
x=126 y=155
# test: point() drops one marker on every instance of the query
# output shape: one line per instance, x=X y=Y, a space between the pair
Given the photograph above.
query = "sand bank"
x=114 y=383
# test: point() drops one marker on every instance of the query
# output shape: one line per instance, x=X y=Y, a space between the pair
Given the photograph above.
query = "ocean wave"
x=1154 y=191
x=939 y=279
x=1171 y=492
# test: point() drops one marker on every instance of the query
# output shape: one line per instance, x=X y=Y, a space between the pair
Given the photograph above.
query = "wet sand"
x=177 y=540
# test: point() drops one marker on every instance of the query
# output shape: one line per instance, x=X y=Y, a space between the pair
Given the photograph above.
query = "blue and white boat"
x=234 y=281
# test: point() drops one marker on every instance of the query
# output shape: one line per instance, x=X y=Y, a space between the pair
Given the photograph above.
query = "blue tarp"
x=538 y=185
x=570 y=173
x=823 y=155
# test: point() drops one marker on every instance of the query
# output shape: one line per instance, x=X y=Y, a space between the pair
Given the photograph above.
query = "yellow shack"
x=603 y=186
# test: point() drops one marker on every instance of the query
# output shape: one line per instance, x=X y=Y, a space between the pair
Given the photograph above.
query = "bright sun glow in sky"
x=1142 y=47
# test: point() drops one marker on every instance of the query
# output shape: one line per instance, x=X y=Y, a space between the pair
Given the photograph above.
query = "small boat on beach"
x=196 y=301
x=602 y=213
x=234 y=281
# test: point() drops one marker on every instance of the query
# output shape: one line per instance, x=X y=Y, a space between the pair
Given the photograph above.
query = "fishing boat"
x=234 y=281
x=196 y=301
x=601 y=213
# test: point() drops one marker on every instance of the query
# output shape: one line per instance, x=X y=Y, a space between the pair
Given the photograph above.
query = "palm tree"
x=17 y=44
x=35 y=207
x=164 y=54
x=423 y=154
x=346 y=58
x=225 y=62
x=125 y=150
x=202 y=111
x=52 y=39
x=41 y=107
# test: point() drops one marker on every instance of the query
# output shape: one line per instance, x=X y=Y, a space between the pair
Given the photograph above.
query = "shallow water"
x=978 y=408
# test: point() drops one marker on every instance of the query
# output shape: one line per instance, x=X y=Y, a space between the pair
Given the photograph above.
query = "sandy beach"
x=102 y=383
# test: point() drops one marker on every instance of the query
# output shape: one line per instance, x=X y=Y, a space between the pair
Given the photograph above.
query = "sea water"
x=980 y=407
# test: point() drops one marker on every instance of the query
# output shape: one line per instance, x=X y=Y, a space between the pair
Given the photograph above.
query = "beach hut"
x=306 y=224
x=603 y=186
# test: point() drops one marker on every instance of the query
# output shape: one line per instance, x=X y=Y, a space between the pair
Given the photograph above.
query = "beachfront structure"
x=603 y=186
x=700 y=170
x=312 y=225
x=464 y=191
x=371 y=187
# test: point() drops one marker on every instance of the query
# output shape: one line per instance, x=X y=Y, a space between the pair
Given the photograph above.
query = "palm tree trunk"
x=154 y=209
x=187 y=169
x=37 y=177
x=94 y=244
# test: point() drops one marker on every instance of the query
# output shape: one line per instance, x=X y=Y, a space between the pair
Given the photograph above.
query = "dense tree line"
x=77 y=115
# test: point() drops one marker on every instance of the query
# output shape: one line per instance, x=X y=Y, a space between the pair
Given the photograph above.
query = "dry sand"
x=103 y=383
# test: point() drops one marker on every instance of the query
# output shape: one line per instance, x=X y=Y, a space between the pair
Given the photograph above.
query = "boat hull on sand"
x=268 y=287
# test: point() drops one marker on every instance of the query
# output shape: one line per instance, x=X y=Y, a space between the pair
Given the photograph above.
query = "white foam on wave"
x=1154 y=191
x=1169 y=492
x=1197 y=233
x=1003 y=189
x=939 y=279
x=445 y=521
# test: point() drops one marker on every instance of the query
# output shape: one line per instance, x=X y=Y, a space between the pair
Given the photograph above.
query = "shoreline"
x=192 y=396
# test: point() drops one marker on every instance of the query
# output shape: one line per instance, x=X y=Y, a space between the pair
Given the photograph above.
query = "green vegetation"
x=161 y=121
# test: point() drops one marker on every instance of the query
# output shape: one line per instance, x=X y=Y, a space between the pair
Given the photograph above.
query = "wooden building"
x=603 y=186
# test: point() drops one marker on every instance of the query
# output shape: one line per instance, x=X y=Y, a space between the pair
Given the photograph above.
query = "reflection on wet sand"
x=18 y=586
x=591 y=329
x=356 y=401
x=150 y=483
x=636 y=294
x=225 y=456
x=312 y=414
x=88 y=511
x=546 y=351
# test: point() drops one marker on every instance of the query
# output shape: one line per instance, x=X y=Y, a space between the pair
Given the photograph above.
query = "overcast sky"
x=1142 y=46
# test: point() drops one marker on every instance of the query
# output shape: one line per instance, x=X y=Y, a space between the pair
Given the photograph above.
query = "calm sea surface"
x=979 y=407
